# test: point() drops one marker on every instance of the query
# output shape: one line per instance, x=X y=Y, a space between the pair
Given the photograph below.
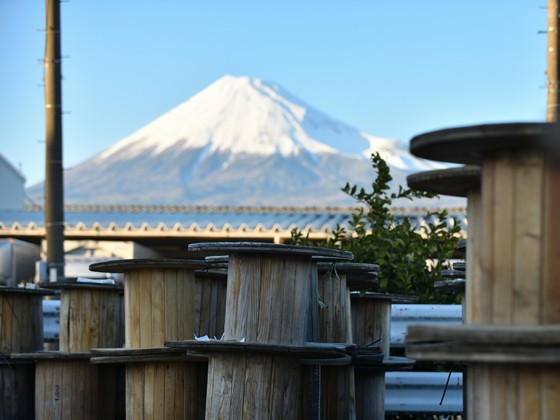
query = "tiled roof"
x=178 y=218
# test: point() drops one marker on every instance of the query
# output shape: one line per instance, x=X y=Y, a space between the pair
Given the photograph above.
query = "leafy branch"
x=410 y=255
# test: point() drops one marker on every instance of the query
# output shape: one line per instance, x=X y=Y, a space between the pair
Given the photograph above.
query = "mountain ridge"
x=240 y=141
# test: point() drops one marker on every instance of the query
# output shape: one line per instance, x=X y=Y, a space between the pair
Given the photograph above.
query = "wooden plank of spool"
x=335 y=316
x=140 y=355
x=528 y=232
x=519 y=389
x=485 y=343
x=551 y=246
x=307 y=350
x=488 y=334
x=471 y=144
x=211 y=289
x=475 y=292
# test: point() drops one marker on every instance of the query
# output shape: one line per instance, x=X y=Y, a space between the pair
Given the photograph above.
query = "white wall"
x=12 y=186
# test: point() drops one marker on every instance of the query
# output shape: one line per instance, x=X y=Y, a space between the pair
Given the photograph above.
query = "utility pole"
x=54 y=192
x=552 y=71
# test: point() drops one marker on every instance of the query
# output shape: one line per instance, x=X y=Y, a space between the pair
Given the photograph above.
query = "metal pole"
x=54 y=196
x=552 y=62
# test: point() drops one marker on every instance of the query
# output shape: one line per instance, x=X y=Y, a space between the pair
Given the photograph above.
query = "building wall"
x=12 y=186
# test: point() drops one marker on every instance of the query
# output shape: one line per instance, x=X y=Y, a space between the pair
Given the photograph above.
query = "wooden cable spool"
x=159 y=299
x=91 y=316
x=371 y=326
x=271 y=299
x=464 y=181
x=513 y=269
x=68 y=386
x=21 y=320
x=160 y=304
x=260 y=380
x=165 y=382
x=338 y=393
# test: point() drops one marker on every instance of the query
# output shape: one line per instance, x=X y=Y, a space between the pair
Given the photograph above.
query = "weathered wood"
x=472 y=144
x=370 y=395
x=338 y=396
x=551 y=246
x=163 y=354
x=475 y=294
x=272 y=305
x=454 y=285
x=513 y=272
x=90 y=316
x=160 y=299
x=523 y=392
x=371 y=324
x=262 y=387
x=21 y=319
x=17 y=389
x=75 y=389
x=335 y=311
x=160 y=304
x=267 y=299
x=210 y=306
x=305 y=351
x=262 y=248
x=514 y=202
x=371 y=320
x=538 y=335
x=453 y=181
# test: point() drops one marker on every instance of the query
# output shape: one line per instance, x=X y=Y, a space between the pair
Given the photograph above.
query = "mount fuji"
x=240 y=141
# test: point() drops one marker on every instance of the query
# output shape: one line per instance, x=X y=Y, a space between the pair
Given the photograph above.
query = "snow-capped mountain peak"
x=240 y=141
x=243 y=115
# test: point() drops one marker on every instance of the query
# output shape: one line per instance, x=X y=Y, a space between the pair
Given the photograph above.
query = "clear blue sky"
x=394 y=68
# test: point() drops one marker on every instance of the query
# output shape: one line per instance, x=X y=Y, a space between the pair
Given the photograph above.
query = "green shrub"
x=410 y=257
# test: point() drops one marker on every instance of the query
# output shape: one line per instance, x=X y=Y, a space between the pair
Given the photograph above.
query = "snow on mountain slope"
x=243 y=115
x=235 y=115
x=240 y=141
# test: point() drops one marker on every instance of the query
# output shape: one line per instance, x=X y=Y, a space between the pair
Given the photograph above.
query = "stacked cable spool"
x=264 y=367
x=453 y=279
x=371 y=328
x=21 y=320
x=160 y=304
x=463 y=181
x=338 y=387
x=67 y=386
x=511 y=337
x=210 y=304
